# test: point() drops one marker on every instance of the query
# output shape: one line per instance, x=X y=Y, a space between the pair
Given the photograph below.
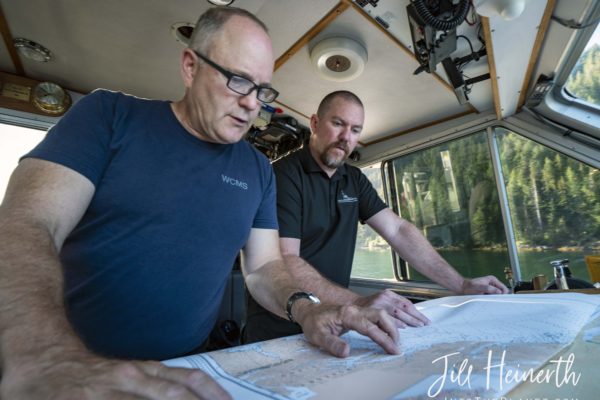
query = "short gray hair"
x=212 y=21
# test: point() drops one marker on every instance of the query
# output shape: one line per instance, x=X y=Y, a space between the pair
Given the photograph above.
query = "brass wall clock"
x=51 y=98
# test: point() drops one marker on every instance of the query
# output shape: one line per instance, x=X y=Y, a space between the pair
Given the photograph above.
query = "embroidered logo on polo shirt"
x=234 y=182
x=344 y=198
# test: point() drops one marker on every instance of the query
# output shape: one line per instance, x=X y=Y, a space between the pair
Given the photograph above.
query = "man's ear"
x=189 y=65
x=314 y=120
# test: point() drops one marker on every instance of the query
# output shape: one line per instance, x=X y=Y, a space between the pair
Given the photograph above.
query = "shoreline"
x=525 y=248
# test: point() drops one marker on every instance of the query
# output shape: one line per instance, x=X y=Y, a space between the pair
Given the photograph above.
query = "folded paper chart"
x=476 y=346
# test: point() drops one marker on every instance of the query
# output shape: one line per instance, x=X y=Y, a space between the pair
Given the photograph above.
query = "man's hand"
x=484 y=285
x=399 y=308
x=86 y=377
x=323 y=324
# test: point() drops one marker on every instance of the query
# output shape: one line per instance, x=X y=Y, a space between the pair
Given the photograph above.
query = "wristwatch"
x=297 y=296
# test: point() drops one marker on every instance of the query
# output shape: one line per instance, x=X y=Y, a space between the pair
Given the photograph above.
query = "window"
x=449 y=193
x=554 y=204
x=15 y=141
x=584 y=80
x=372 y=255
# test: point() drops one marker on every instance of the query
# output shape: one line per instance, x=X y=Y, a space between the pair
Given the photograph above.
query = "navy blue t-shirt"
x=146 y=266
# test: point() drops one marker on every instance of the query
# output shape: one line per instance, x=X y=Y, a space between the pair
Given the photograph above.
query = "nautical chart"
x=475 y=346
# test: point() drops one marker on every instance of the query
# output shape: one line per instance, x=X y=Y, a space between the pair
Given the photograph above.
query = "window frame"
x=522 y=124
x=560 y=106
x=401 y=269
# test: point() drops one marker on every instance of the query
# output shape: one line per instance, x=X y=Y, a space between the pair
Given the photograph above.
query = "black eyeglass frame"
x=260 y=90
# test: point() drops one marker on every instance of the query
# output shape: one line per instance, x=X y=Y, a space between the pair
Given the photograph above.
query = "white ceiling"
x=386 y=86
x=127 y=45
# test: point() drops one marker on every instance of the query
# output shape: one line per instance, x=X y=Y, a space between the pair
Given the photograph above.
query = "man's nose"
x=345 y=133
x=250 y=101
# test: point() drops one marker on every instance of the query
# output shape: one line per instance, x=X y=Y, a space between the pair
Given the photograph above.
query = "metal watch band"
x=296 y=296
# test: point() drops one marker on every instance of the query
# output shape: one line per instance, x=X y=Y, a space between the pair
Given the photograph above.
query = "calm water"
x=378 y=264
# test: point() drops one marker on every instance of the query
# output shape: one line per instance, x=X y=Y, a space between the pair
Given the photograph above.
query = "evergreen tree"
x=584 y=81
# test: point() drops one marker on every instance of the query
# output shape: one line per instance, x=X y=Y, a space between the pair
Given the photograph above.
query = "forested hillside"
x=554 y=200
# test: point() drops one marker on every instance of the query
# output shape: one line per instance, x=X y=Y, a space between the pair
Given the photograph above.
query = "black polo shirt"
x=323 y=213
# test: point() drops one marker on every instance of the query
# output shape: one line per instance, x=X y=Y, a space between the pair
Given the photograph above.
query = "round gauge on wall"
x=51 y=98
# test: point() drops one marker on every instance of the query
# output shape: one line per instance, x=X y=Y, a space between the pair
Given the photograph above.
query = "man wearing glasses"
x=119 y=231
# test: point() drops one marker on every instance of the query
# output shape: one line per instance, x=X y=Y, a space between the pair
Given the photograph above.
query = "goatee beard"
x=331 y=161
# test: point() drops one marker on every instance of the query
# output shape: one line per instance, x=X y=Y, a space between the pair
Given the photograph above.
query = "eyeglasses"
x=241 y=85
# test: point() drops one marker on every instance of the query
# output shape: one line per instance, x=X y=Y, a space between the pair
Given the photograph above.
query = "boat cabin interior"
x=482 y=117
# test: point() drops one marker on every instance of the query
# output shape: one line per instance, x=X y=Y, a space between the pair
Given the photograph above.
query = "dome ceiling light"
x=507 y=9
x=221 y=2
x=32 y=50
x=339 y=59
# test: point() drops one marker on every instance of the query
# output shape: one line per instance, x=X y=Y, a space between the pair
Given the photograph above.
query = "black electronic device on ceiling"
x=433 y=26
x=433 y=29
